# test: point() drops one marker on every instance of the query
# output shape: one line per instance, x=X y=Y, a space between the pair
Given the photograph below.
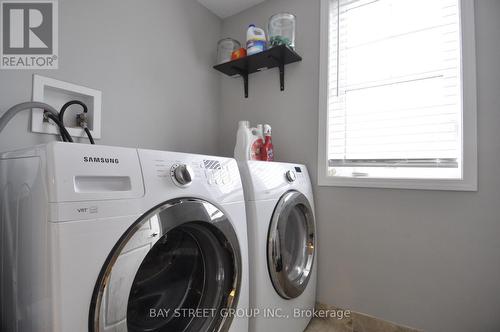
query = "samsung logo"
x=101 y=160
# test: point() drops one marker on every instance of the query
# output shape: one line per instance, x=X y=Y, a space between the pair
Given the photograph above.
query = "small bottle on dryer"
x=267 y=150
x=257 y=142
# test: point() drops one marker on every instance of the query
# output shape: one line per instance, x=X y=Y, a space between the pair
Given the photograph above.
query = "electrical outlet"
x=56 y=93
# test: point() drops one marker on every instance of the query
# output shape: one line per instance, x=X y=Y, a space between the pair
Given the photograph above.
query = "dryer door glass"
x=176 y=269
x=290 y=247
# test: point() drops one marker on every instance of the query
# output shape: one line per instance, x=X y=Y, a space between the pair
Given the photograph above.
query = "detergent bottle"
x=256 y=40
x=244 y=139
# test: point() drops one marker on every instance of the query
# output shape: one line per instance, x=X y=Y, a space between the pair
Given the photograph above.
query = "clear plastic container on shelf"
x=281 y=30
x=226 y=47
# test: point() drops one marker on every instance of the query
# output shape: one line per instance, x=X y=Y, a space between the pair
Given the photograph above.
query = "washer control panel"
x=175 y=174
x=216 y=173
x=182 y=174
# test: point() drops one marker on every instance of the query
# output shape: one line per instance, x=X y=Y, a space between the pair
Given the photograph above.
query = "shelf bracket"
x=281 y=67
x=282 y=76
x=244 y=75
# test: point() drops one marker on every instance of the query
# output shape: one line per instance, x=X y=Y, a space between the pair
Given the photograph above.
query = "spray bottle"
x=257 y=142
x=267 y=150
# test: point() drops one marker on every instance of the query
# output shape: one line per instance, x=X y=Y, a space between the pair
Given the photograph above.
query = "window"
x=397 y=99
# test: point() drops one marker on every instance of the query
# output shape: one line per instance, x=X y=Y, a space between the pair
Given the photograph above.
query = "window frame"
x=468 y=182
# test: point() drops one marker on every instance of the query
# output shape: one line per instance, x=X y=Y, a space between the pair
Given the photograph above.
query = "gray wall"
x=428 y=259
x=152 y=63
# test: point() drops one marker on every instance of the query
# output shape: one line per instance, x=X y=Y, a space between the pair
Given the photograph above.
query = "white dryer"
x=98 y=238
x=282 y=245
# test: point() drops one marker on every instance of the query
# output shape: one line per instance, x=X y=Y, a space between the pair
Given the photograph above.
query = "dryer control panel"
x=300 y=172
x=268 y=180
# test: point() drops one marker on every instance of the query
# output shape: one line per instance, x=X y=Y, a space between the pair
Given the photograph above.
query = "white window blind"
x=394 y=88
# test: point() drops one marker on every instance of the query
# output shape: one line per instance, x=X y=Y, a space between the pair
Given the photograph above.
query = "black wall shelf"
x=278 y=56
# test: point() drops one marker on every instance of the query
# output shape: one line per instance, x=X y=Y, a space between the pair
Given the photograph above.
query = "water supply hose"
x=48 y=111
x=91 y=139
x=83 y=124
x=11 y=112
x=64 y=132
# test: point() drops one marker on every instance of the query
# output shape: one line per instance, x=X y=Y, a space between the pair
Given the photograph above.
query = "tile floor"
x=328 y=325
x=356 y=322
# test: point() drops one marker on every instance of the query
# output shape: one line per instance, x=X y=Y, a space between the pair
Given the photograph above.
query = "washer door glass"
x=290 y=247
x=175 y=269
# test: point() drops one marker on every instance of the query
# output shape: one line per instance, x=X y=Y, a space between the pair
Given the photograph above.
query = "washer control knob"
x=290 y=176
x=182 y=174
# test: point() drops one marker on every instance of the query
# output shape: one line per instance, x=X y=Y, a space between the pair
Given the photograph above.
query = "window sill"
x=427 y=184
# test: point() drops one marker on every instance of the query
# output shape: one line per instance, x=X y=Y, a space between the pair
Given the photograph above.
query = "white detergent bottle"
x=256 y=40
x=244 y=138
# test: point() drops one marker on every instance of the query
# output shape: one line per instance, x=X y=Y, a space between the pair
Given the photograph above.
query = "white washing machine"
x=282 y=245
x=97 y=238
